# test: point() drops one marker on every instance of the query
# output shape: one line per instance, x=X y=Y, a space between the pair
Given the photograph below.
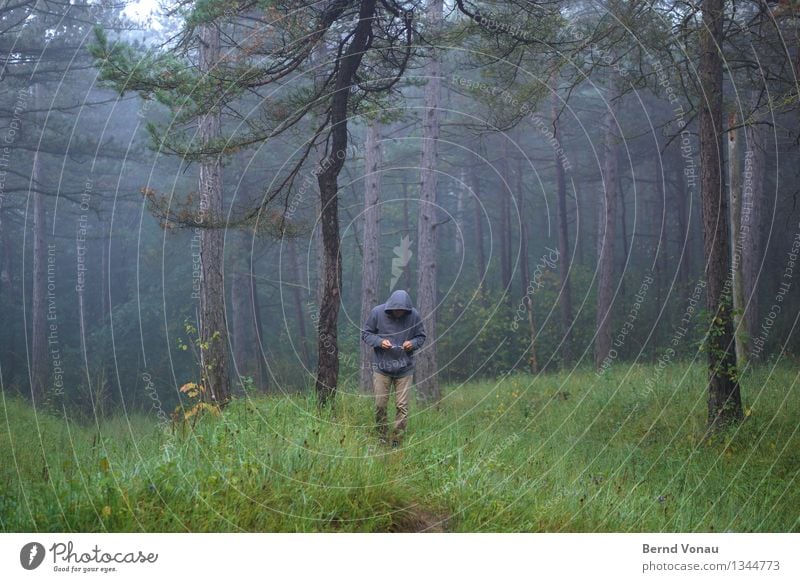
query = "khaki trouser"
x=402 y=388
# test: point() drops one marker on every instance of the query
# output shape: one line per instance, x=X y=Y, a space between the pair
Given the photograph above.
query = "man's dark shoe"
x=383 y=436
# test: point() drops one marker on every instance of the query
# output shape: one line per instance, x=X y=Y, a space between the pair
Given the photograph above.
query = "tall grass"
x=550 y=453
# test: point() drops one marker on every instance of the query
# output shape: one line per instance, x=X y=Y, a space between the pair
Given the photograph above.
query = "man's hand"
x=408 y=346
x=386 y=344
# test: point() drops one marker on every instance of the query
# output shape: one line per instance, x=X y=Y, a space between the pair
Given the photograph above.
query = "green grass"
x=552 y=453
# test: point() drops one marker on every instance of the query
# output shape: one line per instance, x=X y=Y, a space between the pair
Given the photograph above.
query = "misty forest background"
x=592 y=204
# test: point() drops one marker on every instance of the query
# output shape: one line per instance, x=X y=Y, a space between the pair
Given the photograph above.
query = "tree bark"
x=623 y=215
x=563 y=243
x=8 y=361
x=370 y=275
x=533 y=362
x=606 y=238
x=505 y=221
x=580 y=239
x=426 y=366
x=752 y=200
x=39 y=364
x=213 y=328
x=724 y=397
x=480 y=255
x=327 y=333
x=39 y=377
x=458 y=238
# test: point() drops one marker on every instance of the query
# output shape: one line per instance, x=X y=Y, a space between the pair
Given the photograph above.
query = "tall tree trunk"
x=39 y=364
x=606 y=237
x=527 y=284
x=505 y=221
x=752 y=200
x=6 y=264
x=563 y=242
x=8 y=361
x=39 y=352
x=477 y=224
x=426 y=366
x=213 y=328
x=580 y=240
x=327 y=333
x=735 y=191
x=626 y=249
x=724 y=397
x=624 y=223
x=370 y=275
x=458 y=238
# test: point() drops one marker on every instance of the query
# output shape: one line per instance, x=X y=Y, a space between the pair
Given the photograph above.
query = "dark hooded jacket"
x=395 y=361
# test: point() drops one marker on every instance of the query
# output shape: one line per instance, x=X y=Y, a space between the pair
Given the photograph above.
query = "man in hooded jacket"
x=394 y=330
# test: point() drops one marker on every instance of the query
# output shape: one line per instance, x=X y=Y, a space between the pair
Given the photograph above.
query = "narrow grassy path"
x=551 y=453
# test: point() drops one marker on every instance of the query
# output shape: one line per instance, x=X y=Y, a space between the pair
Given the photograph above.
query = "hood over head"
x=398 y=300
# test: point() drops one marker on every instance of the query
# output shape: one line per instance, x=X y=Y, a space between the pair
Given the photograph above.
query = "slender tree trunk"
x=7 y=358
x=319 y=247
x=426 y=366
x=320 y=57
x=658 y=218
x=735 y=191
x=623 y=203
x=724 y=397
x=327 y=333
x=477 y=224
x=606 y=237
x=6 y=266
x=533 y=362
x=580 y=240
x=370 y=276
x=752 y=200
x=505 y=222
x=213 y=328
x=563 y=244
x=458 y=238
x=39 y=365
